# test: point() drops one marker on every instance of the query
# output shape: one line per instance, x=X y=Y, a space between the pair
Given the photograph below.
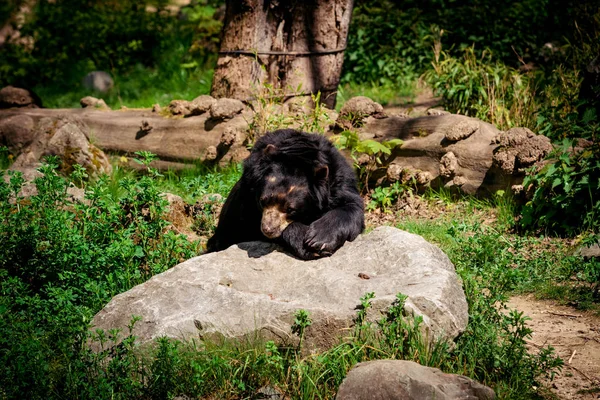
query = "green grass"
x=141 y=88
x=386 y=95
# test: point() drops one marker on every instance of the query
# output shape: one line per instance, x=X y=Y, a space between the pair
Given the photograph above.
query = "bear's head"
x=287 y=188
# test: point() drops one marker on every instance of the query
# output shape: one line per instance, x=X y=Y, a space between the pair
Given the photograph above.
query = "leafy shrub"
x=565 y=192
x=387 y=44
x=483 y=88
x=61 y=261
x=370 y=156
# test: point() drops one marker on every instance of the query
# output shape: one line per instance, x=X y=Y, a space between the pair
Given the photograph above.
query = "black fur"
x=305 y=177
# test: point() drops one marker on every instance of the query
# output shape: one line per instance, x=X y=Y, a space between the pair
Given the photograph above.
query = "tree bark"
x=296 y=46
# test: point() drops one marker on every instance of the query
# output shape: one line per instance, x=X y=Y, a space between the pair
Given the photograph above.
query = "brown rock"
x=16 y=132
x=226 y=108
x=448 y=165
x=180 y=107
x=519 y=149
x=461 y=130
x=201 y=104
x=355 y=111
x=11 y=96
x=92 y=102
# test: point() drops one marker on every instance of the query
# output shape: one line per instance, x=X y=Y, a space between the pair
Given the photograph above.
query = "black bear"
x=296 y=189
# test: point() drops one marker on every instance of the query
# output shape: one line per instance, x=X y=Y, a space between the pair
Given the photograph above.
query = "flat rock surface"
x=255 y=287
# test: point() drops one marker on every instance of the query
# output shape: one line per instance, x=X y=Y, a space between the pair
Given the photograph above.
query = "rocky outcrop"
x=224 y=109
x=255 y=288
x=407 y=380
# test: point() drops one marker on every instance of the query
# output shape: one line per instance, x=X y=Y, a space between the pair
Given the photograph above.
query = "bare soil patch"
x=575 y=335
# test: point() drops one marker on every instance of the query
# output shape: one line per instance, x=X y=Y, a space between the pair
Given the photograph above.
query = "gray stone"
x=99 y=81
x=589 y=251
x=226 y=108
x=407 y=380
x=256 y=288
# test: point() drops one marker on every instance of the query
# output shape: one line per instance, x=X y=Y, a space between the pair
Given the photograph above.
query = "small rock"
x=461 y=130
x=448 y=165
x=423 y=178
x=436 y=111
x=180 y=107
x=361 y=105
x=228 y=136
x=201 y=104
x=99 y=81
x=354 y=112
x=92 y=102
x=394 y=173
x=211 y=153
x=156 y=108
x=146 y=127
x=226 y=108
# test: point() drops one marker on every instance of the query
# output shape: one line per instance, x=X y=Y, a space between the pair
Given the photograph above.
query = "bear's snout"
x=273 y=222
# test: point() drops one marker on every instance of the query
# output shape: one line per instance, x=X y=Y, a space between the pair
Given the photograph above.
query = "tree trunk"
x=295 y=46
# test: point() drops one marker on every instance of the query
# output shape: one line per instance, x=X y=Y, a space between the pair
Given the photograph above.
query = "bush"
x=62 y=260
x=483 y=88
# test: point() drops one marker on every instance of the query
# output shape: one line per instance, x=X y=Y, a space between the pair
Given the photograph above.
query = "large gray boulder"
x=407 y=380
x=257 y=288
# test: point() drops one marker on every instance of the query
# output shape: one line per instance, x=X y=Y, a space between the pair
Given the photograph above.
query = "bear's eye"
x=290 y=210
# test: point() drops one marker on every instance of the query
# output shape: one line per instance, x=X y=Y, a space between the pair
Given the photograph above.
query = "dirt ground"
x=575 y=336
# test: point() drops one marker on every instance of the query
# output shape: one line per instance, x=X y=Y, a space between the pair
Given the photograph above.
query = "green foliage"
x=301 y=322
x=564 y=192
x=61 y=261
x=483 y=88
x=370 y=156
x=384 y=196
x=387 y=45
x=153 y=55
x=108 y=34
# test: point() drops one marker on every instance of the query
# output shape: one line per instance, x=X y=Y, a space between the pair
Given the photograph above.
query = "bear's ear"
x=270 y=149
x=322 y=172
